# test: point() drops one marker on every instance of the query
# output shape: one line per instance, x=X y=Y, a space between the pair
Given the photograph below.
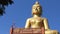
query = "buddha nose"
x=35 y=8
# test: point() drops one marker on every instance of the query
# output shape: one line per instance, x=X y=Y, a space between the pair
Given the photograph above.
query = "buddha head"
x=36 y=9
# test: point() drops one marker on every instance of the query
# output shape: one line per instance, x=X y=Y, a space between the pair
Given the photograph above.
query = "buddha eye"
x=38 y=7
x=34 y=8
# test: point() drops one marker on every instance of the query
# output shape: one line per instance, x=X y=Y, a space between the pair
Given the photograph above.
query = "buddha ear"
x=40 y=8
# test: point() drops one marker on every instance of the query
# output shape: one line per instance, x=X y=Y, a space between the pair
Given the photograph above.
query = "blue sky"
x=21 y=10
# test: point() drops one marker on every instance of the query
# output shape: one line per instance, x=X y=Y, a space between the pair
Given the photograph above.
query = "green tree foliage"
x=3 y=4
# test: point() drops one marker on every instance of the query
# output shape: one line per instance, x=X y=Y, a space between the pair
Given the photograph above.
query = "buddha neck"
x=36 y=16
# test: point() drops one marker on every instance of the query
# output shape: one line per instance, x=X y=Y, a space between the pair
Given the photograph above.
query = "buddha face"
x=36 y=10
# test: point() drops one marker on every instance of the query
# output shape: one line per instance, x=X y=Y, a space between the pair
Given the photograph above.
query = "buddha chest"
x=36 y=22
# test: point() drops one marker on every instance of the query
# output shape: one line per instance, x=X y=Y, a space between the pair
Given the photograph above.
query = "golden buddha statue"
x=37 y=21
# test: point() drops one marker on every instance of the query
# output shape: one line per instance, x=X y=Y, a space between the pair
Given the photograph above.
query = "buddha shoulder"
x=29 y=19
x=44 y=18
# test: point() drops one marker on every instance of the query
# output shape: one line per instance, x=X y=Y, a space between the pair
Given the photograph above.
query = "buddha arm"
x=27 y=25
x=46 y=24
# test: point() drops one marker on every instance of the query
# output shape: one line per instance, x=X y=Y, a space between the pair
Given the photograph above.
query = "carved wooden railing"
x=27 y=31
